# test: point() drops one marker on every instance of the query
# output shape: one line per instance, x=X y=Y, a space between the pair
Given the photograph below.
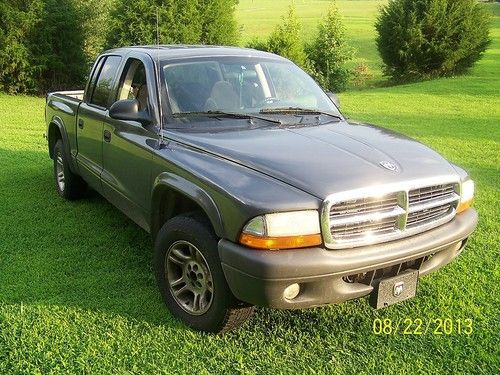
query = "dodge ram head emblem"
x=388 y=165
x=398 y=289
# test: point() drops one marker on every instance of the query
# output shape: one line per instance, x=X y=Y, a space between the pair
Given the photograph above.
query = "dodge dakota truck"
x=255 y=188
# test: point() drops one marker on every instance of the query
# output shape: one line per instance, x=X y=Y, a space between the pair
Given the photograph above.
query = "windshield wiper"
x=227 y=114
x=299 y=111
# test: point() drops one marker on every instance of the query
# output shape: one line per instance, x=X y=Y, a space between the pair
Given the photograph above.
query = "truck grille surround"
x=384 y=213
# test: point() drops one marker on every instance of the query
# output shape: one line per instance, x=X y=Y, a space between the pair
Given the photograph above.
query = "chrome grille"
x=356 y=229
x=428 y=215
x=384 y=213
x=430 y=192
x=364 y=205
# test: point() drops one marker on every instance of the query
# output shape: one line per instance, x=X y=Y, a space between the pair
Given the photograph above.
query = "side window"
x=104 y=82
x=94 y=73
x=133 y=83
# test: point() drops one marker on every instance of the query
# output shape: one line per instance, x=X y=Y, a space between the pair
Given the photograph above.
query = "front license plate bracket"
x=395 y=289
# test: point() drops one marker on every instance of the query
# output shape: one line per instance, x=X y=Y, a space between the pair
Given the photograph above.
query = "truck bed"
x=62 y=109
x=75 y=94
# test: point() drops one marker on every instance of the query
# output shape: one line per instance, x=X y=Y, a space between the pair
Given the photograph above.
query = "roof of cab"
x=167 y=51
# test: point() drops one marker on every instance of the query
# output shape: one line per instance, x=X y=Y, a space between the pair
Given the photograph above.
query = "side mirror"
x=334 y=98
x=128 y=110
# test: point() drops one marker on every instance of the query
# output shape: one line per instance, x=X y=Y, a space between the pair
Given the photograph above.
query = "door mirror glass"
x=334 y=98
x=128 y=110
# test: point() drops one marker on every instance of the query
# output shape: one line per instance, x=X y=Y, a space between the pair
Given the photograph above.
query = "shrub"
x=41 y=46
x=16 y=71
x=361 y=73
x=94 y=19
x=218 y=24
x=329 y=53
x=286 y=41
x=259 y=44
x=133 y=22
x=56 y=45
x=419 y=39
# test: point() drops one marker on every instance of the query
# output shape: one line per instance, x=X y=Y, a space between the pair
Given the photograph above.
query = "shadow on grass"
x=84 y=254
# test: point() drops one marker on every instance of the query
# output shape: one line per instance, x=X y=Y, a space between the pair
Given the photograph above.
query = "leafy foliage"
x=50 y=44
x=324 y=59
x=133 y=22
x=219 y=24
x=329 y=53
x=420 y=39
x=16 y=72
x=259 y=44
x=286 y=40
x=41 y=46
x=56 y=45
x=94 y=19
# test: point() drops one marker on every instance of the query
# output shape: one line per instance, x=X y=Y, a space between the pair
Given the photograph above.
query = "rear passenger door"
x=90 y=120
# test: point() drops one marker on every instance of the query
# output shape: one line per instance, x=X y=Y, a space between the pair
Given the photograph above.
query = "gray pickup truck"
x=255 y=188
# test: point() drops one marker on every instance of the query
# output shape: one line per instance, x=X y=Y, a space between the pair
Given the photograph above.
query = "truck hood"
x=324 y=159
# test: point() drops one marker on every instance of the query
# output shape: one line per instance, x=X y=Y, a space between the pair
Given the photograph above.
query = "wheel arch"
x=53 y=134
x=56 y=130
x=174 y=195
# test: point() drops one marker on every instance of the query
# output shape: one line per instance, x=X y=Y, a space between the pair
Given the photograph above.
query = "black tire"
x=72 y=186
x=224 y=312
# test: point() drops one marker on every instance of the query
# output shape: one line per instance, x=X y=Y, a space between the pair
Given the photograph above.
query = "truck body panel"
x=235 y=167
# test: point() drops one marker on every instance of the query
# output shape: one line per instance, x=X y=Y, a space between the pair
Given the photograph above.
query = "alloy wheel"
x=189 y=277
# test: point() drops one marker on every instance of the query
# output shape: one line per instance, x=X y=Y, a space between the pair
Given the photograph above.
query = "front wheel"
x=191 y=279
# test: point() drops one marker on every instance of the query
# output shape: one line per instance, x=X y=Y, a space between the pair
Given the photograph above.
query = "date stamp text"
x=418 y=326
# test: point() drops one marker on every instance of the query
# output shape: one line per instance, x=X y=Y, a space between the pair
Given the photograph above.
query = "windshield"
x=246 y=85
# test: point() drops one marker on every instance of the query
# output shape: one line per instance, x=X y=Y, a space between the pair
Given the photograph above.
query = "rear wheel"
x=191 y=279
x=68 y=185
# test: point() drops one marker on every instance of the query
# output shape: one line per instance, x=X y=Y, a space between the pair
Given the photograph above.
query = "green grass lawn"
x=77 y=293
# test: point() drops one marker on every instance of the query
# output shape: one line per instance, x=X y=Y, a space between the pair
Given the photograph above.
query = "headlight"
x=284 y=230
x=466 y=195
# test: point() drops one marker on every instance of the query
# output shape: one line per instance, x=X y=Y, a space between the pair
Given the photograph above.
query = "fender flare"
x=171 y=181
x=59 y=124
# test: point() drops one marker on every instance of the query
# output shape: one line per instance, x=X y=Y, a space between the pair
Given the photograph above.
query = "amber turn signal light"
x=276 y=243
x=463 y=206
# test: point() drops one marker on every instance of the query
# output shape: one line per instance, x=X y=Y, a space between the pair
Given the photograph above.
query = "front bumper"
x=325 y=276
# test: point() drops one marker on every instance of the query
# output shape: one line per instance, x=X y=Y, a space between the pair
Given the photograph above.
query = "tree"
x=187 y=21
x=329 y=53
x=16 y=71
x=133 y=22
x=94 y=19
x=56 y=46
x=419 y=39
x=286 y=41
x=218 y=24
x=41 y=46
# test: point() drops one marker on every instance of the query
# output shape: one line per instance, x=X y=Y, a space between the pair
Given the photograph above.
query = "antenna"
x=157 y=66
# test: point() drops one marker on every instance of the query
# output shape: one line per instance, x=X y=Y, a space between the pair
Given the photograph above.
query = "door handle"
x=80 y=123
x=107 y=136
